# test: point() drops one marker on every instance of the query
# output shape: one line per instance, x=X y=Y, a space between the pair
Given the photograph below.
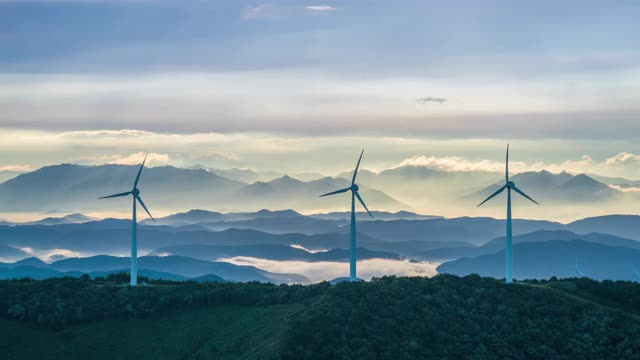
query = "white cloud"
x=257 y=12
x=105 y=133
x=626 y=189
x=622 y=159
x=297 y=246
x=319 y=271
x=321 y=8
x=17 y=168
x=137 y=158
x=454 y=163
x=457 y=163
x=52 y=254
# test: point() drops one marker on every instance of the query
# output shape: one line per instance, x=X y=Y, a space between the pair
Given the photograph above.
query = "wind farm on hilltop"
x=287 y=246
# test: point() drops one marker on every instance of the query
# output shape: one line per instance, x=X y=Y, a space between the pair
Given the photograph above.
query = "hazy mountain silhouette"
x=557 y=188
x=553 y=258
x=13 y=271
x=203 y=216
x=434 y=185
x=615 y=180
x=626 y=226
x=498 y=244
x=378 y=215
x=178 y=265
x=465 y=229
x=8 y=174
x=251 y=176
x=78 y=187
x=287 y=192
x=68 y=219
x=10 y=252
x=109 y=236
x=268 y=251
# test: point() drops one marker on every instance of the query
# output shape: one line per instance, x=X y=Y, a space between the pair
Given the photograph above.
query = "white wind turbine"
x=354 y=194
x=135 y=194
x=509 y=185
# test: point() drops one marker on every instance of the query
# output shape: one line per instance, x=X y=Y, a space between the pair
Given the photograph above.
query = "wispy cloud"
x=17 y=168
x=53 y=254
x=258 y=11
x=457 y=163
x=320 y=8
x=137 y=158
x=623 y=158
x=319 y=271
x=625 y=189
x=105 y=133
x=431 y=99
x=298 y=246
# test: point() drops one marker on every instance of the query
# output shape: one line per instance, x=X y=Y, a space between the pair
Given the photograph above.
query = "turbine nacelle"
x=135 y=192
x=510 y=184
x=354 y=187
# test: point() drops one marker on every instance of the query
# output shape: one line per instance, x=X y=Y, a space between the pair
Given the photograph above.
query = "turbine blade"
x=145 y=207
x=116 y=195
x=523 y=194
x=135 y=184
x=336 y=192
x=362 y=202
x=492 y=195
x=353 y=181
x=506 y=167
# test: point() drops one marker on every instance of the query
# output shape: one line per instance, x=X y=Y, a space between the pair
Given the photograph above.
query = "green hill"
x=445 y=317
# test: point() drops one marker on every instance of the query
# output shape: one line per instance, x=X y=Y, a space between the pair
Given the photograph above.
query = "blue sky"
x=548 y=74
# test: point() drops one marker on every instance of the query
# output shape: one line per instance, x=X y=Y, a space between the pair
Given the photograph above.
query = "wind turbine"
x=135 y=194
x=509 y=185
x=578 y=272
x=354 y=194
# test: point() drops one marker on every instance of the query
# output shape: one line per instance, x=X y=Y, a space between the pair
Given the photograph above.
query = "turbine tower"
x=354 y=194
x=135 y=194
x=509 y=185
x=578 y=272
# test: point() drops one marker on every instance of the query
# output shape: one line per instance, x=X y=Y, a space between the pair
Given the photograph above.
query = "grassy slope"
x=225 y=332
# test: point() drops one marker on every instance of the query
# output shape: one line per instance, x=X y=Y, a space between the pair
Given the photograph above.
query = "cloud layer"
x=320 y=271
x=612 y=165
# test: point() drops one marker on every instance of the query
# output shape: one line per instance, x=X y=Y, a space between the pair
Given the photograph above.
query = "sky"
x=302 y=86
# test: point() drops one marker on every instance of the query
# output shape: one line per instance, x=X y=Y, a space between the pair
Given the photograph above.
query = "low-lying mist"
x=326 y=270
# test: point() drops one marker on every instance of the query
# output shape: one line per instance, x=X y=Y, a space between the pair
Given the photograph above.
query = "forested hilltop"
x=444 y=317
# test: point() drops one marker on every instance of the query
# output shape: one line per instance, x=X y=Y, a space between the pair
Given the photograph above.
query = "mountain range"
x=270 y=252
x=176 y=265
x=498 y=244
x=542 y=260
x=78 y=187
x=73 y=188
x=557 y=188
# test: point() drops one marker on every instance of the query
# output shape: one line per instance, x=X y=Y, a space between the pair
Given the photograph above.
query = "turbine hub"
x=510 y=184
x=354 y=187
x=135 y=192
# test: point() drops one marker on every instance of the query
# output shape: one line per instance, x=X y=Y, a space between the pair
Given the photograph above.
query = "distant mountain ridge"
x=176 y=265
x=542 y=260
x=498 y=244
x=78 y=187
x=269 y=251
x=553 y=188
